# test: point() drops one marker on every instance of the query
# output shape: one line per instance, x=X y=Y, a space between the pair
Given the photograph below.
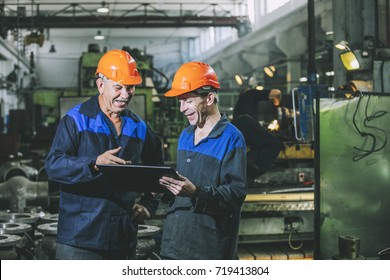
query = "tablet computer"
x=137 y=178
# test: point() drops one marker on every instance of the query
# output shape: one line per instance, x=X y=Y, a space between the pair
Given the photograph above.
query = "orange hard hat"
x=191 y=76
x=120 y=67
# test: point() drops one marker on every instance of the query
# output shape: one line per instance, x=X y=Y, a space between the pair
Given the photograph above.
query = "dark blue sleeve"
x=63 y=164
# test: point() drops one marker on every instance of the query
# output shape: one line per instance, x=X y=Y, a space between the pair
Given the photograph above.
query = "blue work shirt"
x=206 y=226
x=93 y=213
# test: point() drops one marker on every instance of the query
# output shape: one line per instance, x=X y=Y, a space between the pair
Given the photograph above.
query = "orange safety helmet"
x=120 y=67
x=191 y=76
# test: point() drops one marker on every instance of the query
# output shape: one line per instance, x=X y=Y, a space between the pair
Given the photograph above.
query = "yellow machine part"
x=297 y=151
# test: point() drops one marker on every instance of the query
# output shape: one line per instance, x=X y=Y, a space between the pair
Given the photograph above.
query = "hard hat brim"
x=176 y=92
x=130 y=81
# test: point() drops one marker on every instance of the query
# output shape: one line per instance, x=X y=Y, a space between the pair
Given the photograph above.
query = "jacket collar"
x=217 y=129
x=92 y=109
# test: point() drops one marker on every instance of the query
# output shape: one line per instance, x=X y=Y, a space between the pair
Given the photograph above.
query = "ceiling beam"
x=117 y=22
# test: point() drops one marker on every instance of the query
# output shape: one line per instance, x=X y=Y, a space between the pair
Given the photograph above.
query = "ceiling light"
x=103 y=9
x=303 y=79
x=270 y=70
x=329 y=36
x=329 y=73
x=343 y=45
x=238 y=79
x=99 y=36
x=52 y=49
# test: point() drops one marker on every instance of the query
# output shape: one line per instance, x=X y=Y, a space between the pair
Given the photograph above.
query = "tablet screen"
x=137 y=178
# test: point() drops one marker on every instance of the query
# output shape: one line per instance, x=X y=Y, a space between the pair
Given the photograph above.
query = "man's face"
x=115 y=97
x=194 y=107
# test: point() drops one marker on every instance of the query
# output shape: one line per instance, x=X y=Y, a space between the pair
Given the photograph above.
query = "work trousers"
x=66 y=252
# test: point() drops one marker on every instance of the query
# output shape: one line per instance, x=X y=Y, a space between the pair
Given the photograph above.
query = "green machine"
x=87 y=67
x=354 y=177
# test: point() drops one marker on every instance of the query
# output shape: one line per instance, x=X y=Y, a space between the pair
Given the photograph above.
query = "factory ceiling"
x=159 y=28
x=130 y=14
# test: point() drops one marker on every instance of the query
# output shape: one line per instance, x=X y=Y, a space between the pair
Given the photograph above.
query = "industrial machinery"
x=34 y=236
x=277 y=220
x=278 y=213
x=354 y=176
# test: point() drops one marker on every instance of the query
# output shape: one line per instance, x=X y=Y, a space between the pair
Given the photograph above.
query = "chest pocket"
x=93 y=144
x=209 y=170
x=131 y=150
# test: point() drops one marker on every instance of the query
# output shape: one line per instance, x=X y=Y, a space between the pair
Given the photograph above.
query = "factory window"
x=261 y=8
x=251 y=10
x=194 y=46
x=208 y=39
x=222 y=33
x=272 y=5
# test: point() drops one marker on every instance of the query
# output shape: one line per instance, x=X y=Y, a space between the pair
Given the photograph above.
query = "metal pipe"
x=388 y=23
x=311 y=70
x=312 y=79
x=19 y=192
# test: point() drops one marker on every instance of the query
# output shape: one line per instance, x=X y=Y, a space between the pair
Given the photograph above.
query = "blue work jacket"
x=206 y=226
x=93 y=213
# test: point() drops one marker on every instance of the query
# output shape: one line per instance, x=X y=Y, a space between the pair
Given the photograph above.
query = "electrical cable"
x=374 y=138
x=382 y=73
x=290 y=241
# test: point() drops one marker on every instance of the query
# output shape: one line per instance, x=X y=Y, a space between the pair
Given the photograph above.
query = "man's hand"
x=182 y=187
x=109 y=157
x=140 y=213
